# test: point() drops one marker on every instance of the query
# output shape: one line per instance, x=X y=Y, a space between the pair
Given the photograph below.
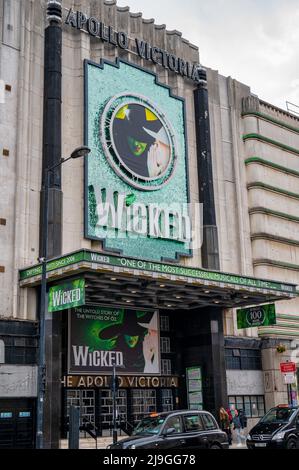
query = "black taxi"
x=176 y=430
x=279 y=428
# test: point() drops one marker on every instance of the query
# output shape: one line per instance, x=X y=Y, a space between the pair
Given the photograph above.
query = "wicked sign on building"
x=134 y=266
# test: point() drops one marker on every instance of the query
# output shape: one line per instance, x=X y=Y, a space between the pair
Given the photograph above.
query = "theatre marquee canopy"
x=116 y=280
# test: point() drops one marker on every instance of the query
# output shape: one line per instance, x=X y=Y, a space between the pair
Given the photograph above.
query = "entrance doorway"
x=17 y=423
x=96 y=406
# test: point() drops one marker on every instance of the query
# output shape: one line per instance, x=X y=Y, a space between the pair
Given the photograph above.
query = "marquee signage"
x=163 y=268
x=129 y=381
x=68 y=295
x=136 y=177
x=101 y=337
x=156 y=55
x=261 y=315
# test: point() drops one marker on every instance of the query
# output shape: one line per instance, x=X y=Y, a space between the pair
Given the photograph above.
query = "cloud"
x=253 y=41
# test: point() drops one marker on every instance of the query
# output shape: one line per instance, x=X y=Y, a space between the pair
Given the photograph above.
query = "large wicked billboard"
x=136 y=182
x=100 y=337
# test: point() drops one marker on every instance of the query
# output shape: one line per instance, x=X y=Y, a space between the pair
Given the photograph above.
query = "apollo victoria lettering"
x=124 y=381
x=156 y=55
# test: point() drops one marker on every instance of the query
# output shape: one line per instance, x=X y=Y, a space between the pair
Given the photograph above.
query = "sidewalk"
x=103 y=442
x=89 y=443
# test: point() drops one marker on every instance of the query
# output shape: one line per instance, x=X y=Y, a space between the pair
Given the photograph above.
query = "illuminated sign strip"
x=159 y=268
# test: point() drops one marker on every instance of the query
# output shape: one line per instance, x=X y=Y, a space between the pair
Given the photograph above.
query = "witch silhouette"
x=129 y=338
x=141 y=140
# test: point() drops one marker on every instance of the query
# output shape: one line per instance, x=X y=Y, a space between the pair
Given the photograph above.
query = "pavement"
x=103 y=442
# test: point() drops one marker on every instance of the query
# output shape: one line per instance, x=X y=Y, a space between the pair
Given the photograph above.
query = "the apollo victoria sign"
x=156 y=55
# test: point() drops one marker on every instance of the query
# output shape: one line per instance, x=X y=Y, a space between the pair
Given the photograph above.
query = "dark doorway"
x=17 y=423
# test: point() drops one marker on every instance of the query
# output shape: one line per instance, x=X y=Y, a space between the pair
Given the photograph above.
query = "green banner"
x=170 y=269
x=69 y=295
x=261 y=315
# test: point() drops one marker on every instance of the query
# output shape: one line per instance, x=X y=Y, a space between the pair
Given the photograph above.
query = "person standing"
x=237 y=426
x=225 y=423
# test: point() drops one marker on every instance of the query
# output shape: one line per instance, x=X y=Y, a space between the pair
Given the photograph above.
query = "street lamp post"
x=41 y=392
x=114 y=388
x=114 y=408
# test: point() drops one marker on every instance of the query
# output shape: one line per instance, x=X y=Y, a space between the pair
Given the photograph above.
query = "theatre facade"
x=173 y=249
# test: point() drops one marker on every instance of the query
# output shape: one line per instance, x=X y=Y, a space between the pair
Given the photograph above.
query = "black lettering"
x=122 y=40
x=172 y=63
x=103 y=32
x=189 y=69
x=194 y=70
x=141 y=46
x=81 y=20
x=71 y=19
x=164 y=56
x=111 y=33
x=154 y=52
x=93 y=26
x=147 y=51
x=182 y=67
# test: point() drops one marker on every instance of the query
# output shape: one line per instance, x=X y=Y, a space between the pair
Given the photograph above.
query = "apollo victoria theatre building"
x=143 y=273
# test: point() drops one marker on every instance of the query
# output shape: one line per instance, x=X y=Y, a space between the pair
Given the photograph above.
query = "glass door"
x=143 y=402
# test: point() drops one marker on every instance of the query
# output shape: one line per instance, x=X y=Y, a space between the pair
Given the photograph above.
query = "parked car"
x=279 y=428
x=176 y=430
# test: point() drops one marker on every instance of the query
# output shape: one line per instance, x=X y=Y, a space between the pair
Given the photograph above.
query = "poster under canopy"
x=101 y=337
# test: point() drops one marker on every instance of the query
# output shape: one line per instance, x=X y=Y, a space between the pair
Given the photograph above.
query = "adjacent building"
x=185 y=211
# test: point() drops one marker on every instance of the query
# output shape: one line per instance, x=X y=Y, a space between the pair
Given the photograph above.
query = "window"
x=164 y=323
x=24 y=414
x=253 y=405
x=209 y=422
x=173 y=422
x=20 y=350
x=6 y=415
x=165 y=345
x=193 y=423
x=243 y=359
x=166 y=367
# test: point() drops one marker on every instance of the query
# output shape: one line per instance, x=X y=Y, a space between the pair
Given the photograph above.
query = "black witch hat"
x=134 y=120
x=129 y=326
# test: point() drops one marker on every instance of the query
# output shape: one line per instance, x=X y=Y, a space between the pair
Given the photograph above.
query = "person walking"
x=225 y=424
x=237 y=426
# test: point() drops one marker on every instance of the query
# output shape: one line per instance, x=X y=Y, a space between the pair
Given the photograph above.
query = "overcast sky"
x=253 y=41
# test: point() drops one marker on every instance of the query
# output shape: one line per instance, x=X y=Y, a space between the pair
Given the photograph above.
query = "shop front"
x=162 y=332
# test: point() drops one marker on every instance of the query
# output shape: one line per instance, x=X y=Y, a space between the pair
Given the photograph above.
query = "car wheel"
x=292 y=444
x=215 y=446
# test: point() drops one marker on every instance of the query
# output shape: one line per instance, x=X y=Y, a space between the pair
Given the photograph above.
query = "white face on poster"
x=151 y=346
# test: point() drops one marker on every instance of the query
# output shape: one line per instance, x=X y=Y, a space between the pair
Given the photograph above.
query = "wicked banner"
x=101 y=337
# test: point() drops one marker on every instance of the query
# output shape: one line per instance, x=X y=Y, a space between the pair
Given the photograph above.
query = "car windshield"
x=150 y=425
x=278 y=415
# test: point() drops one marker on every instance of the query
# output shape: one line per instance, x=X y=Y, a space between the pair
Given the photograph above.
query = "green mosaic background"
x=102 y=85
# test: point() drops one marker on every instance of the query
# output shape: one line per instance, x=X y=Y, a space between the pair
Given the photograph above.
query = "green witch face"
x=136 y=147
x=131 y=341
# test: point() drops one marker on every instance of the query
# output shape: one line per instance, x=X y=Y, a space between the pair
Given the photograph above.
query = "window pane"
x=193 y=423
x=254 y=408
x=209 y=422
x=232 y=400
x=174 y=422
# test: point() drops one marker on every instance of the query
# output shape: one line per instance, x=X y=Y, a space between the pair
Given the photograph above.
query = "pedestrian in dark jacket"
x=237 y=426
x=243 y=419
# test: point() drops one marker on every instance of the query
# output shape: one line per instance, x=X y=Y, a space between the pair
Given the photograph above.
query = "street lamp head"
x=80 y=152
